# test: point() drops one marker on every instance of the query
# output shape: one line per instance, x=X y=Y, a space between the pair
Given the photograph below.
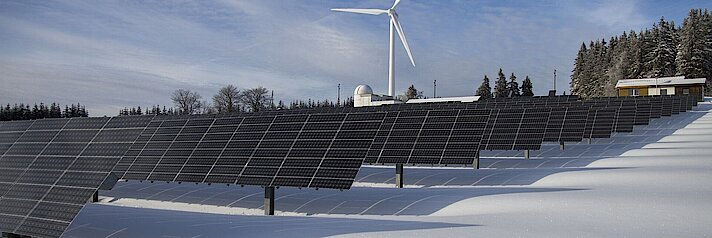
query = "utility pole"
x=272 y=101
x=554 y=79
x=338 y=95
x=435 y=87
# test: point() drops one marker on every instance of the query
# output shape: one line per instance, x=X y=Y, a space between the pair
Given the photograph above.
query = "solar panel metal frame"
x=53 y=184
x=266 y=161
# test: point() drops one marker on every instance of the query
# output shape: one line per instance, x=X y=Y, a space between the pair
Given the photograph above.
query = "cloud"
x=109 y=55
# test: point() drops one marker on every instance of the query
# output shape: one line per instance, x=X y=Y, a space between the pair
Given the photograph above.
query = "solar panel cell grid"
x=62 y=160
x=643 y=112
x=53 y=173
x=257 y=149
x=667 y=106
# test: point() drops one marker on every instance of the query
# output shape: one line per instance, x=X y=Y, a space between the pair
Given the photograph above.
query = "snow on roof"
x=658 y=81
x=446 y=99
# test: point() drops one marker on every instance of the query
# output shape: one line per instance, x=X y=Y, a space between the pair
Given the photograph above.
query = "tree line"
x=229 y=99
x=665 y=50
x=26 y=112
x=504 y=88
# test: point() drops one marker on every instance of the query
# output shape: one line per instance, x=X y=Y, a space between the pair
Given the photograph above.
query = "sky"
x=108 y=55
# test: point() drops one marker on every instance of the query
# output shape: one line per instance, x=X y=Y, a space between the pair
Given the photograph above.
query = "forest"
x=54 y=110
x=664 y=50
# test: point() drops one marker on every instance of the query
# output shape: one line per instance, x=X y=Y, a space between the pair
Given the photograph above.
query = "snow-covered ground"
x=654 y=182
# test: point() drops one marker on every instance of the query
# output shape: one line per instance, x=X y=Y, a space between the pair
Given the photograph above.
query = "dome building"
x=364 y=97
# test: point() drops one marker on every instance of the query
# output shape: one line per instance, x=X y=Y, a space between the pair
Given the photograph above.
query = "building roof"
x=446 y=99
x=680 y=80
x=363 y=90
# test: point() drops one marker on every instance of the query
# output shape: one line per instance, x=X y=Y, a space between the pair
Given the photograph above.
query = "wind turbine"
x=394 y=23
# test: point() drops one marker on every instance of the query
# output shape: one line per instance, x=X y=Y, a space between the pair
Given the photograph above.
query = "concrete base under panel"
x=476 y=161
x=269 y=201
x=526 y=154
x=399 y=175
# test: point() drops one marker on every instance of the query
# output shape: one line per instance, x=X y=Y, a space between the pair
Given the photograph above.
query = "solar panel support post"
x=561 y=145
x=269 y=201
x=95 y=196
x=526 y=154
x=476 y=161
x=399 y=175
x=589 y=140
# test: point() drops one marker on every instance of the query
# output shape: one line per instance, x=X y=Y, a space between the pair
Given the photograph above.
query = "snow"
x=654 y=182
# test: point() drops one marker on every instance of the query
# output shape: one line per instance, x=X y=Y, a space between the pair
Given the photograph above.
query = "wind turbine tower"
x=395 y=26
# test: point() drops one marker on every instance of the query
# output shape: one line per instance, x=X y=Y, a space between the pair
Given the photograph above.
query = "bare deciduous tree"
x=187 y=102
x=256 y=99
x=227 y=99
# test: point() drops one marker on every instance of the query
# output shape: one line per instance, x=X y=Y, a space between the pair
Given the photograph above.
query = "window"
x=685 y=91
x=663 y=91
x=634 y=92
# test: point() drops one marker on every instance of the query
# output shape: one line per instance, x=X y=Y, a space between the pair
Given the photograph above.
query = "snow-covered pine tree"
x=608 y=81
x=693 y=48
x=577 y=80
x=635 y=56
x=707 y=26
x=646 y=44
x=485 y=90
x=500 y=87
x=662 y=58
x=597 y=70
x=620 y=61
x=527 y=87
x=513 y=87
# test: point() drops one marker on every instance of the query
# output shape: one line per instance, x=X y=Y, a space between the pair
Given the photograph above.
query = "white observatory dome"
x=363 y=90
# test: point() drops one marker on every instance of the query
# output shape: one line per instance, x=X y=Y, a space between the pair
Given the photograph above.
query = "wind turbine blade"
x=395 y=4
x=361 y=11
x=399 y=29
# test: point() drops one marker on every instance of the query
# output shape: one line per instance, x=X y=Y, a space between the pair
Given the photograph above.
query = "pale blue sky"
x=112 y=54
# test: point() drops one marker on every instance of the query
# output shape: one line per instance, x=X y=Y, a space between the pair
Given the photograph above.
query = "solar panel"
x=381 y=138
x=656 y=107
x=624 y=118
x=555 y=124
x=600 y=123
x=429 y=137
x=464 y=140
x=642 y=112
x=531 y=131
x=51 y=170
x=692 y=101
x=677 y=105
x=403 y=135
x=515 y=129
x=300 y=150
x=574 y=124
x=667 y=106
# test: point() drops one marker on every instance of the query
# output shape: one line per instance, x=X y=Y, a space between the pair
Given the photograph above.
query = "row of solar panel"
x=567 y=121
x=50 y=168
x=316 y=150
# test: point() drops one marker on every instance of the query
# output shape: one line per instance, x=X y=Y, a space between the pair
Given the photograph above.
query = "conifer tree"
x=578 y=76
x=513 y=87
x=500 y=87
x=412 y=93
x=662 y=57
x=485 y=90
x=527 y=87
